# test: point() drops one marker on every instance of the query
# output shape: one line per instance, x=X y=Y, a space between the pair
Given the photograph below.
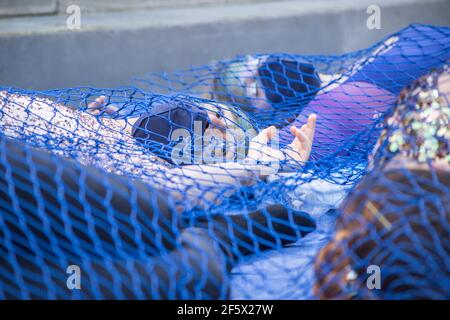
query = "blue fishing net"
x=194 y=185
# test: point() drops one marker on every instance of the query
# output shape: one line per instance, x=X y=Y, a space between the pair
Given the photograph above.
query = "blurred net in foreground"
x=177 y=189
x=393 y=238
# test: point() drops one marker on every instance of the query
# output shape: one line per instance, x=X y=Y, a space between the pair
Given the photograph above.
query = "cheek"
x=207 y=133
x=212 y=132
x=212 y=138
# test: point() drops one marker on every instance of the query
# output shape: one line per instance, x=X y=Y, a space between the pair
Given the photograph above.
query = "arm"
x=198 y=183
x=260 y=158
x=100 y=105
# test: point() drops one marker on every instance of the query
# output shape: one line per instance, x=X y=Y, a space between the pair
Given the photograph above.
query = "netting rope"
x=223 y=181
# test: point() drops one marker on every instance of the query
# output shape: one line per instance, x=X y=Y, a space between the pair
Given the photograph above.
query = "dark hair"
x=285 y=80
x=154 y=129
x=392 y=219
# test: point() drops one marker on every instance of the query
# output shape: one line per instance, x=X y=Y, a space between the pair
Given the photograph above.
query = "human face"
x=225 y=129
x=253 y=87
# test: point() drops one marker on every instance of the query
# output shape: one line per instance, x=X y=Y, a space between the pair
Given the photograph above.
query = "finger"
x=295 y=140
x=299 y=133
x=301 y=143
x=111 y=109
x=303 y=128
x=264 y=136
x=98 y=102
x=309 y=127
x=301 y=140
x=272 y=132
x=293 y=128
x=101 y=99
x=93 y=105
x=312 y=119
x=302 y=137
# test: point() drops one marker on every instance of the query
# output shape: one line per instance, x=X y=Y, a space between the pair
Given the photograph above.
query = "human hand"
x=100 y=106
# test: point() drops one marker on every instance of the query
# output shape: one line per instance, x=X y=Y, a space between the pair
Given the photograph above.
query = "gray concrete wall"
x=112 y=5
x=112 y=47
x=50 y=7
x=27 y=7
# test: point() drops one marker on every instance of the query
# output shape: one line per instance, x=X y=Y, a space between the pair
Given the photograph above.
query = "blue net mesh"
x=265 y=176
